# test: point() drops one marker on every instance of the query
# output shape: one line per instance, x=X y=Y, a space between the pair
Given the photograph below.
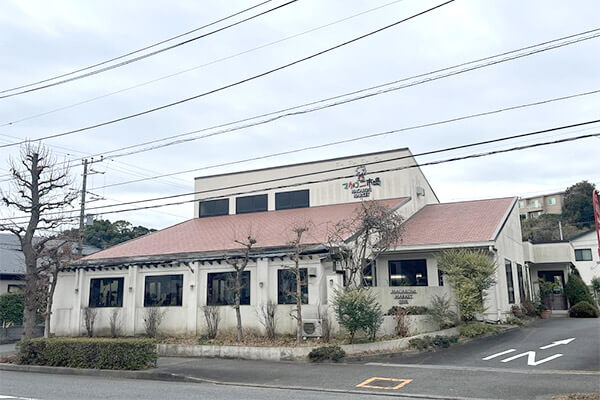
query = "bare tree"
x=358 y=241
x=266 y=314
x=212 y=316
x=39 y=190
x=239 y=265
x=89 y=319
x=115 y=323
x=57 y=255
x=296 y=244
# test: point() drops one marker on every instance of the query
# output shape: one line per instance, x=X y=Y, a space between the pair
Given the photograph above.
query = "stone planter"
x=546 y=314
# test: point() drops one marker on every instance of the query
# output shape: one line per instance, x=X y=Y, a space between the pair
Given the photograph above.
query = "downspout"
x=494 y=251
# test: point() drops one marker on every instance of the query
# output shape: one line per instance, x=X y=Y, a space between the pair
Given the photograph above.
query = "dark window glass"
x=521 y=281
x=221 y=288
x=509 y=281
x=294 y=199
x=286 y=286
x=163 y=291
x=250 y=204
x=106 y=292
x=583 y=255
x=408 y=273
x=369 y=278
x=16 y=288
x=212 y=208
x=440 y=277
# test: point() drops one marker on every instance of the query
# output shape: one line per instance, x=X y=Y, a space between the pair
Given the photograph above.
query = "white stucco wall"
x=587 y=269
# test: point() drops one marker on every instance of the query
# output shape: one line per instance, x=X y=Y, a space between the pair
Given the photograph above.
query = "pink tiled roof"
x=461 y=222
x=271 y=229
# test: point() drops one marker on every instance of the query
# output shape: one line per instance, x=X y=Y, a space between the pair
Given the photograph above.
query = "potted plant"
x=545 y=297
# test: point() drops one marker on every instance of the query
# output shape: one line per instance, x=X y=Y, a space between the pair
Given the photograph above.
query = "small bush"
x=96 y=353
x=402 y=325
x=357 y=309
x=510 y=320
x=440 y=312
x=529 y=308
x=517 y=311
x=152 y=319
x=11 y=309
x=577 y=291
x=89 y=319
x=410 y=310
x=428 y=342
x=474 y=329
x=212 y=315
x=323 y=353
x=583 y=309
x=115 y=323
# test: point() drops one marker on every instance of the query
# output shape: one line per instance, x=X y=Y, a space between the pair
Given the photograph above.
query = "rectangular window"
x=221 y=288
x=534 y=203
x=551 y=201
x=16 y=288
x=509 y=281
x=106 y=292
x=163 y=291
x=294 y=199
x=286 y=286
x=521 y=204
x=408 y=273
x=369 y=274
x=213 y=208
x=583 y=255
x=250 y=204
x=521 y=282
x=440 y=277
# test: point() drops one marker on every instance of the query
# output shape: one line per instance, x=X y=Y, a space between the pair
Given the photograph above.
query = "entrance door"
x=559 y=301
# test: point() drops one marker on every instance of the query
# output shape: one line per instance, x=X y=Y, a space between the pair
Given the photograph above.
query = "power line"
x=62 y=108
x=446 y=149
x=354 y=139
x=253 y=77
x=297 y=110
x=141 y=57
x=471 y=156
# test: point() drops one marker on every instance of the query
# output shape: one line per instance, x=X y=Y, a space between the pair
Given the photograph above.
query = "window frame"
x=521 y=282
x=290 y=299
x=582 y=252
x=370 y=280
x=510 y=283
x=210 y=203
x=245 y=299
x=399 y=263
x=253 y=209
x=117 y=303
x=292 y=204
x=149 y=279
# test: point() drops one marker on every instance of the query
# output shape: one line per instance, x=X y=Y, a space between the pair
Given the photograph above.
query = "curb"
x=169 y=377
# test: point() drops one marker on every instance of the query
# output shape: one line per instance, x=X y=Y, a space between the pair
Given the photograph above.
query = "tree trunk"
x=298 y=303
x=30 y=295
x=51 y=289
x=238 y=296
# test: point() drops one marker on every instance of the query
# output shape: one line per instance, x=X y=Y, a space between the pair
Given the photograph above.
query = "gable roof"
x=461 y=222
x=271 y=229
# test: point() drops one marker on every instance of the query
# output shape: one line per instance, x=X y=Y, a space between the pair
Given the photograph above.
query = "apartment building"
x=534 y=206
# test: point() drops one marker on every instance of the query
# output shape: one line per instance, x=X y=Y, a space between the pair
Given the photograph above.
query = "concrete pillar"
x=190 y=298
x=262 y=281
x=131 y=303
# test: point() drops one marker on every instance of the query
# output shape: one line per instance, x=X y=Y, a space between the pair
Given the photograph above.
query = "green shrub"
x=517 y=311
x=441 y=313
x=11 y=309
x=357 y=309
x=583 y=309
x=510 y=320
x=428 y=342
x=529 y=308
x=409 y=310
x=89 y=353
x=474 y=329
x=323 y=353
x=577 y=291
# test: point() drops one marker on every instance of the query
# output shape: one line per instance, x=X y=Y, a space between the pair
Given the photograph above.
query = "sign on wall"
x=403 y=296
x=362 y=186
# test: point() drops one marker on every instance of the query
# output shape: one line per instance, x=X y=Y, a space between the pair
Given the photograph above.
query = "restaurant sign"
x=361 y=187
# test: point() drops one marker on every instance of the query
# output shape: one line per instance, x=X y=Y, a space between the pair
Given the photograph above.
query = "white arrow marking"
x=557 y=343
x=498 y=354
x=531 y=358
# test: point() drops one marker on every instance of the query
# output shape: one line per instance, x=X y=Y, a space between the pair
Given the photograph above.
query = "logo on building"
x=362 y=186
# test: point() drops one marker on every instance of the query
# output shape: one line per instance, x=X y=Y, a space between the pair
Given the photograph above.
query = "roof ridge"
x=471 y=201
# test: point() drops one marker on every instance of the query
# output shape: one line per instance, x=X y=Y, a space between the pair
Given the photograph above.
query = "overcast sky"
x=40 y=39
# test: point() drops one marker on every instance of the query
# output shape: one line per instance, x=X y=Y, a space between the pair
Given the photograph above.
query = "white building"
x=585 y=254
x=182 y=268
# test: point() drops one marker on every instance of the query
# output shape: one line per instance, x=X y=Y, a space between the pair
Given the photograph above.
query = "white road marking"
x=498 y=354
x=531 y=358
x=3 y=396
x=557 y=343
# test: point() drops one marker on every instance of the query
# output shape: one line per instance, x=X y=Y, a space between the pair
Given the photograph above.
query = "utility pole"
x=560 y=229
x=82 y=211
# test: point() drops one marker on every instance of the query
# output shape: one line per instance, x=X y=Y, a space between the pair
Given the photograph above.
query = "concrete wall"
x=587 y=269
x=394 y=184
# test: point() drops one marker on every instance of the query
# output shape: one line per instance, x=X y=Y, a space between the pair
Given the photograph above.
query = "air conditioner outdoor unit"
x=312 y=328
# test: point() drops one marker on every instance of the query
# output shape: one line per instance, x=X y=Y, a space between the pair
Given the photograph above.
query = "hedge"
x=583 y=309
x=11 y=309
x=95 y=353
x=577 y=291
